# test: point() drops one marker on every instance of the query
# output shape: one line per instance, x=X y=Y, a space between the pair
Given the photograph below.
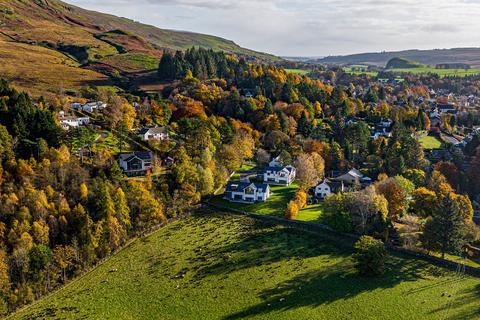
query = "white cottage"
x=275 y=162
x=284 y=176
x=247 y=192
x=328 y=187
x=68 y=122
x=94 y=106
x=160 y=133
x=351 y=177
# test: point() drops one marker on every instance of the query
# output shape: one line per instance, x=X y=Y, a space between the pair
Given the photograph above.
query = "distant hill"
x=402 y=63
x=470 y=56
x=46 y=44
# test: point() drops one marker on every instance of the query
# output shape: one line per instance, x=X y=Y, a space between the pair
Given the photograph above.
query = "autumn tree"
x=450 y=171
x=292 y=210
x=262 y=157
x=424 y=202
x=4 y=282
x=63 y=257
x=119 y=113
x=369 y=212
x=206 y=181
x=146 y=210
x=396 y=196
x=310 y=170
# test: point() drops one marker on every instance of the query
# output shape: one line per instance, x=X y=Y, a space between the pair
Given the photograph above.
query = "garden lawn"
x=111 y=142
x=213 y=266
x=247 y=167
x=274 y=206
x=313 y=213
x=430 y=142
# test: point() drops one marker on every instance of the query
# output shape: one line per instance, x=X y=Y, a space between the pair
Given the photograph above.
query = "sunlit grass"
x=230 y=267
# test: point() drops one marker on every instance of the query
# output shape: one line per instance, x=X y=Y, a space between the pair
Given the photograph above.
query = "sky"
x=312 y=27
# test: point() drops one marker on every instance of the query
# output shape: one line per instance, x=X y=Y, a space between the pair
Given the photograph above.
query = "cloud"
x=312 y=27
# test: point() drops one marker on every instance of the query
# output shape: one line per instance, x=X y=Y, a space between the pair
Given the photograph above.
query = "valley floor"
x=215 y=266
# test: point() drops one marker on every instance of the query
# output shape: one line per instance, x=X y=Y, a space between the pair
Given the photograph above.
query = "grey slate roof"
x=240 y=186
x=157 y=130
x=276 y=169
x=127 y=157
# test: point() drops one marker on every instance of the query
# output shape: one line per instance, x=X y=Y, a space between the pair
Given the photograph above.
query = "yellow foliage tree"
x=292 y=210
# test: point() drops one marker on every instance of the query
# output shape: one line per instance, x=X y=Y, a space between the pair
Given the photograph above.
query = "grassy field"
x=359 y=70
x=424 y=70
x=132 y=62
x=440 y=72
x=298 y=71
x=274 y=206
x=313 y=213
x=430 y=142
x=232 y=267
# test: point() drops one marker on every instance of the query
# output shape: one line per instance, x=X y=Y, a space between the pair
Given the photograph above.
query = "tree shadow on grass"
x=262 y=245
x=462 y=305
x=325 y=286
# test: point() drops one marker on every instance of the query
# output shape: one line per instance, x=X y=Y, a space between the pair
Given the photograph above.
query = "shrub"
x=292 y=210
x=300 y=199
x=340 y=221
x=370 y=256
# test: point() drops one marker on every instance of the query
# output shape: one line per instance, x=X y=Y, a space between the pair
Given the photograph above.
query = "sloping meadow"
x=218 y=266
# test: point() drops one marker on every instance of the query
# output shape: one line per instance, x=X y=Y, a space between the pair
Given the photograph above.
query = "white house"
x=328 y=187
x=381 y=132
x=90 y=107
x=136 y=163
x=275 y=162
x=94 y=106
x=247 y=192
x=279 y=175
x=386 y=123
x=68 y=122
x=160 y=133
x=76 y=105
x=435 y=113
x=351 y=177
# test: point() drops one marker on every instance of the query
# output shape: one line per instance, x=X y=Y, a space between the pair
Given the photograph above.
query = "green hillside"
x=402 y=63
x=469 y=56
x=223 y=267
x=102 y=43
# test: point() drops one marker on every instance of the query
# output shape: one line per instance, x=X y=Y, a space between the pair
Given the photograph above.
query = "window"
x=249 y=191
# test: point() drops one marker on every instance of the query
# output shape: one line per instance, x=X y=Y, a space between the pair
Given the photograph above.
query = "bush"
x=300 y=199
x=294 y=206
x=292 y=210
x=339 y=221
x=370 y=256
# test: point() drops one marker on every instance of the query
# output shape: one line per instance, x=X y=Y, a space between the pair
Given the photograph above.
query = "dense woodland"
x=60 y=214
